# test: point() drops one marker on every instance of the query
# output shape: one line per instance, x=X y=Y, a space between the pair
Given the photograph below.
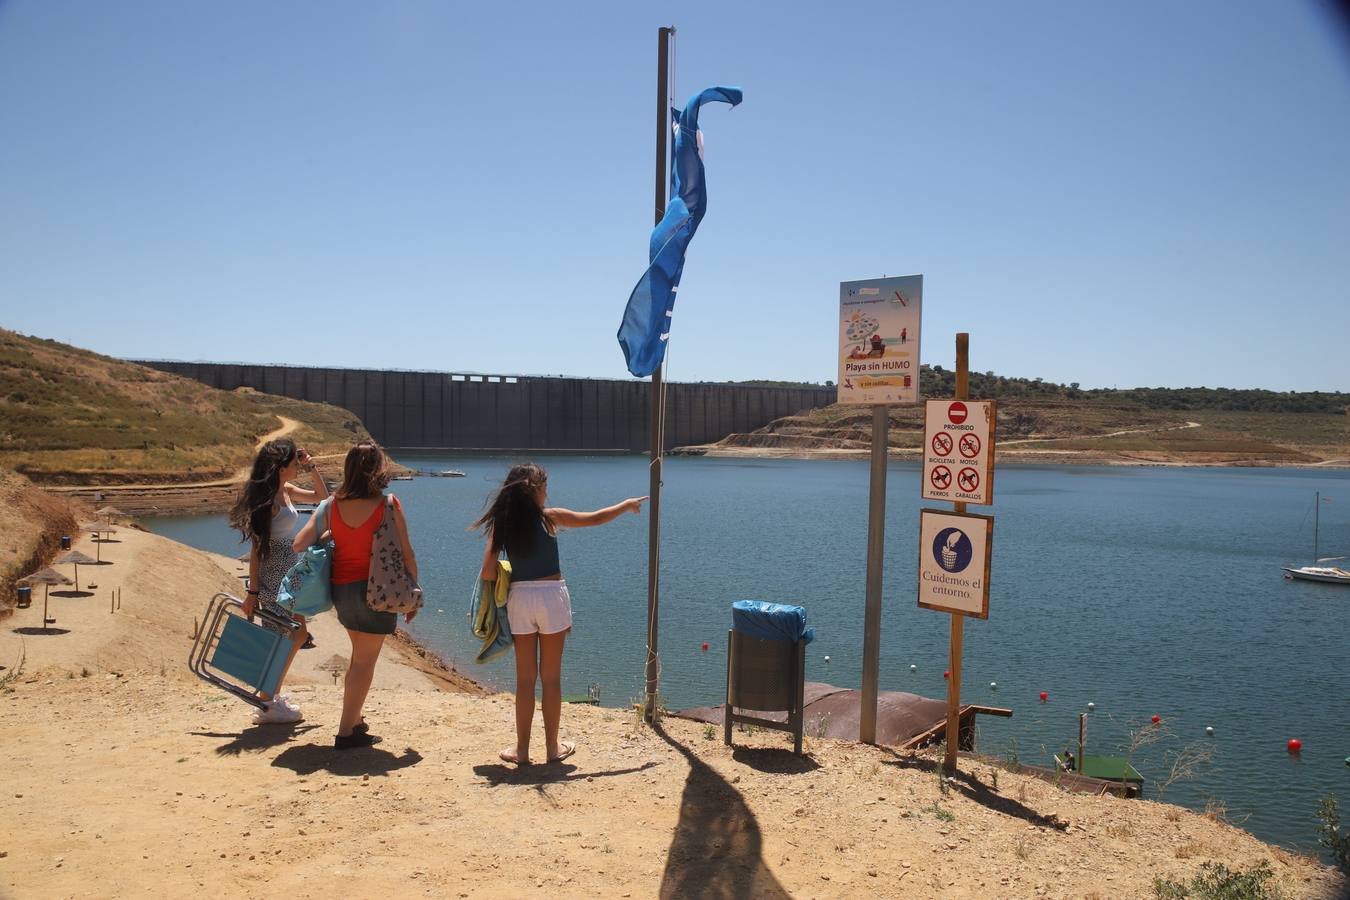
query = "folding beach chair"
x=240 y=656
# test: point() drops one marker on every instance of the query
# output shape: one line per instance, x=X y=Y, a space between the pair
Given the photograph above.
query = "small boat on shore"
x=1315 y=572
x=401 y=478
x=448 y=473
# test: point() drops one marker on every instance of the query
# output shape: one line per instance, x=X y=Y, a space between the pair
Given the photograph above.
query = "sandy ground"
x=128 y=777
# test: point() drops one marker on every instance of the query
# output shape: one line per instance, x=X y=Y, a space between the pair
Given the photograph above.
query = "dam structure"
x=452 y=411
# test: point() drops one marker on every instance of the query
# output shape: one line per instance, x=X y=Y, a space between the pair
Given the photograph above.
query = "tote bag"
x=390 y=586
x=307 y=588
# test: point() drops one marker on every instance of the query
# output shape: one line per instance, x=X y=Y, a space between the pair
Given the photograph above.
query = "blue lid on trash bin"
x=770 y=621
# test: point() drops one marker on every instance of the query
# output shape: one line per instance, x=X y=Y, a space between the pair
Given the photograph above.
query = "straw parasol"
x=109 y=512
x=48 y=577
x=96 y=529
x=77 y=559
x=335 y=665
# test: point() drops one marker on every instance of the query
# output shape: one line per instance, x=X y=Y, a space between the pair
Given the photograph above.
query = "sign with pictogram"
x=958 y=437
x=878 y=348
x=955 y=552
x=941 y=477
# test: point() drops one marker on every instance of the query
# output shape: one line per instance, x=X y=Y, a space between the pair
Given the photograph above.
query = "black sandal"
x=355 y=740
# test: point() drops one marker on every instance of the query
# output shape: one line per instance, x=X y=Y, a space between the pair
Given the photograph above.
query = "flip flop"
x=568 y=748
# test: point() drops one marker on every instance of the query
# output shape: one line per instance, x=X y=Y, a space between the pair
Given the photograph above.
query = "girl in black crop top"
x=539 y=609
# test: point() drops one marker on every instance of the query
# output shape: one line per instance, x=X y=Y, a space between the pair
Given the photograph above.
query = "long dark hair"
x=514 y=511
x=365 y=472
x=252 y=512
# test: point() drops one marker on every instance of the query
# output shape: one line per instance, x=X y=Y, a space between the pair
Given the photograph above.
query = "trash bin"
x=24 y=596
x=65 y=542
x=766 y=666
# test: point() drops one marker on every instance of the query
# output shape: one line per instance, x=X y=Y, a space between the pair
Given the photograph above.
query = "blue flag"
x=646 y=319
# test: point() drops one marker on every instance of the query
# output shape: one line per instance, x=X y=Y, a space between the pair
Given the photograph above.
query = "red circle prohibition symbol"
x=969 y=445
x=942 y=443
x=957 y=412
x=968 y=479
x=941 y=477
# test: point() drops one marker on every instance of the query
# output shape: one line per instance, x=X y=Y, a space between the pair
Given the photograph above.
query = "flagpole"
x=665 y=39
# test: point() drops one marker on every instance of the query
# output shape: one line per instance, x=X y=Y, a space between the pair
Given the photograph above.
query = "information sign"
x=879 y=340
x=958 y=442
x=955 y=550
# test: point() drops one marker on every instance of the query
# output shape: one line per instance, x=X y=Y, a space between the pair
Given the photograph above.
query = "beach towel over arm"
x=487 y=610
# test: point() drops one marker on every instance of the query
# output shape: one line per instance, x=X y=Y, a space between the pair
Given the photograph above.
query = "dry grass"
x=68 y=416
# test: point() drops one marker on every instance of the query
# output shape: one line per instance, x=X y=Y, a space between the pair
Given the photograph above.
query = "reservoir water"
x=1146 y=591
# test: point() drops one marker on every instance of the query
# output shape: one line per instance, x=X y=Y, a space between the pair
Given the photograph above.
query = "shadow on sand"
x=717 y=850
x=39 y=630
x=310 y=758
x=72 y=593
x=546 y=773
x=972 y=788
x=259 y=737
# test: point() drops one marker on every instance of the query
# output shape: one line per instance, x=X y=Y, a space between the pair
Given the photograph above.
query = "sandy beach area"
x=125 y=776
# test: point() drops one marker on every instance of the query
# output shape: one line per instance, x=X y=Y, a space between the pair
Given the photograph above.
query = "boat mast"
x=1317 y=517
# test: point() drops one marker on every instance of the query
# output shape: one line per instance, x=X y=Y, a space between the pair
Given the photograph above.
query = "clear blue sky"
x=1151 y=193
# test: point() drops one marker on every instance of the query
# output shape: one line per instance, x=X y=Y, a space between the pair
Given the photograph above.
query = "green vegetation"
x=67 y=414
x=1217 y=882
x=1330 y=834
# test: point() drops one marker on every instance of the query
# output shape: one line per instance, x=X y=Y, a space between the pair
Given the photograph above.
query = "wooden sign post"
x=955 y=549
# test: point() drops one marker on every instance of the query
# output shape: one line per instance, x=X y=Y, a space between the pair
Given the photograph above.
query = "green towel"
x=488 y=611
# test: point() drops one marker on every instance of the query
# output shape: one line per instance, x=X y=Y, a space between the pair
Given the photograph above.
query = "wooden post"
x=958 y=621
x=112 y=600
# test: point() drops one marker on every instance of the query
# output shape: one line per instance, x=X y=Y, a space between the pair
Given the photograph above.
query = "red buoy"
x=705 y=646
x=1295 y=745
x=947 y=674
x=1157 y=719
x=1044 y=696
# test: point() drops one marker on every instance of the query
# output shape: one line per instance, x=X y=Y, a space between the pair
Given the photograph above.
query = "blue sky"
x=1114 y=194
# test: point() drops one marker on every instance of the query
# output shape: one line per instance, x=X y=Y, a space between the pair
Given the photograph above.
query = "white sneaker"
x=278 y=712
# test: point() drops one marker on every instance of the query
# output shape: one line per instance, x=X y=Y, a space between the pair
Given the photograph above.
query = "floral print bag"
x=390 y=586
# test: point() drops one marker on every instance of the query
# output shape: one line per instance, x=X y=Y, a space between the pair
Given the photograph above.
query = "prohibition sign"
x=968 y=479
x=957 y=412
x=969 y=445
x=942 y=443
x=941 y=477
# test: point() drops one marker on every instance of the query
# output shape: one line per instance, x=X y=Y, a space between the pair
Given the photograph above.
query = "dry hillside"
x=69 y=416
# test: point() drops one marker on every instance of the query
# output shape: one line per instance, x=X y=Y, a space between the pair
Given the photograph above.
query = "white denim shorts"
x=544 y=607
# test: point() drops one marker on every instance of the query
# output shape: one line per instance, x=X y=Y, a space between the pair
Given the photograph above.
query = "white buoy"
x=827 y=659
x=993 y=685
x=1209 y=730
x=914 y=668
x=1091 y=707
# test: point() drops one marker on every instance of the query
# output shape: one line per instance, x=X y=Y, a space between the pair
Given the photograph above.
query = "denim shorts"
x=350 y=602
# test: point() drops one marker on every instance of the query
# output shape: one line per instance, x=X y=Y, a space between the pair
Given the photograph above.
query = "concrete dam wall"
x=453 y=411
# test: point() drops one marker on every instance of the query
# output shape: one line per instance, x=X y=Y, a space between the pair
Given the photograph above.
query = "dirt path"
x=1081 y=437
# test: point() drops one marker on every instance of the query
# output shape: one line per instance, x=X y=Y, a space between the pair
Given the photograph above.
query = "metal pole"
x=958 y=621
x=665 y=37
x=876 y=551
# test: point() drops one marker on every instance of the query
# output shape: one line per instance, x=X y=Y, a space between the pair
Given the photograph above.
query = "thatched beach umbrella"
x=46 y=577
x=96 y=529
x=109 y=512
x=77 y=559
x=335 y=665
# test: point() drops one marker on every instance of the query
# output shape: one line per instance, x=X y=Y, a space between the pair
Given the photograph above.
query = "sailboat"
x=1328 y=574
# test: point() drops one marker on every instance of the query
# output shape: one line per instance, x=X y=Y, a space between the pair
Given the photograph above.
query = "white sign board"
x=958 y=451
x=955 y=550
x=879 y=340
